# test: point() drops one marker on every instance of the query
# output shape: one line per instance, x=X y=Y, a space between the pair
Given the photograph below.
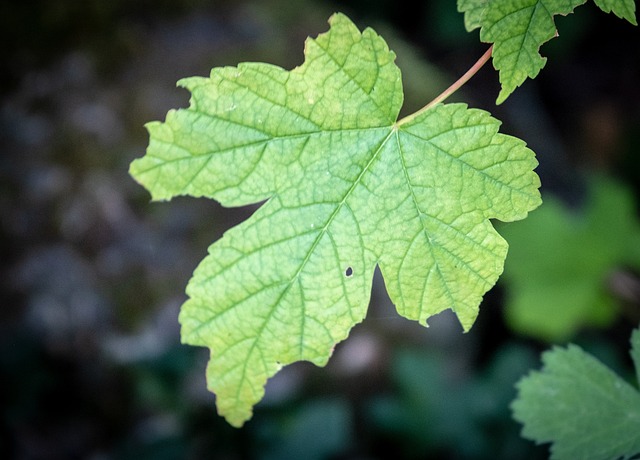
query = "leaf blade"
x=345 y=187
x=321 y=317
x=473 y=11
x=624 y=9
x=518 y=28
x=360 y=87
x=461 y=149
x=580 y=405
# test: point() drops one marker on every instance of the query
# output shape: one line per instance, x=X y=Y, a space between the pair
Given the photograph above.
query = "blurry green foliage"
x=437 y=408
x=560 y=262
x=316 y=429
x=581 y=406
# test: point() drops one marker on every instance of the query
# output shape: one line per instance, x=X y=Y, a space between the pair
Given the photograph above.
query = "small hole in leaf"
x=348 y=272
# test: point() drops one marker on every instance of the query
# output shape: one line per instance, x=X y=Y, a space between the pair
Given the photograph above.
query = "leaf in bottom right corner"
x=580 y=406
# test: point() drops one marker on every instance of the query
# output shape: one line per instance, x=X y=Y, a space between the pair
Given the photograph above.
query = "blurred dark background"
x=93 y=274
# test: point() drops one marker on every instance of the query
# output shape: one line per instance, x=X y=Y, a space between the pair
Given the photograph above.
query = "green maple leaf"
x=517 y=29
x=581 y=406
x=347 y=186
x=473 y=11
x=560 y=261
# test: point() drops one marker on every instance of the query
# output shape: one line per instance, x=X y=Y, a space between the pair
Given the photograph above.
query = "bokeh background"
x=93 y=273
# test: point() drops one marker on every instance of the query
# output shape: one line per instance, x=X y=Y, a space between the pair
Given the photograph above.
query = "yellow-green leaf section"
x=347 y=187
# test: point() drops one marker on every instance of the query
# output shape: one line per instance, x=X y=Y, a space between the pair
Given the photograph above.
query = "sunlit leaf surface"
x=347 y=187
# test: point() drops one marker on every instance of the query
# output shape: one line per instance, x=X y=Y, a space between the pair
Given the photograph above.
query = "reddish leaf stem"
x=453 y=88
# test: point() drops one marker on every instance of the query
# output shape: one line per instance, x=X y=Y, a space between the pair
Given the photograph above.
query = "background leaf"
x=434 y=408
x=580 y=405
x=517 y=29
x=317 y=430
x=555 y=286
x=625 y=9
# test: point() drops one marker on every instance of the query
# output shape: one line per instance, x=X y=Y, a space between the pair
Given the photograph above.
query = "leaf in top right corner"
x=579 y=405
x=517 y=29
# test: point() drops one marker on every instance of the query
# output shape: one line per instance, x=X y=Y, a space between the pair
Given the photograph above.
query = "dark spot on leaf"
x=348 y=271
